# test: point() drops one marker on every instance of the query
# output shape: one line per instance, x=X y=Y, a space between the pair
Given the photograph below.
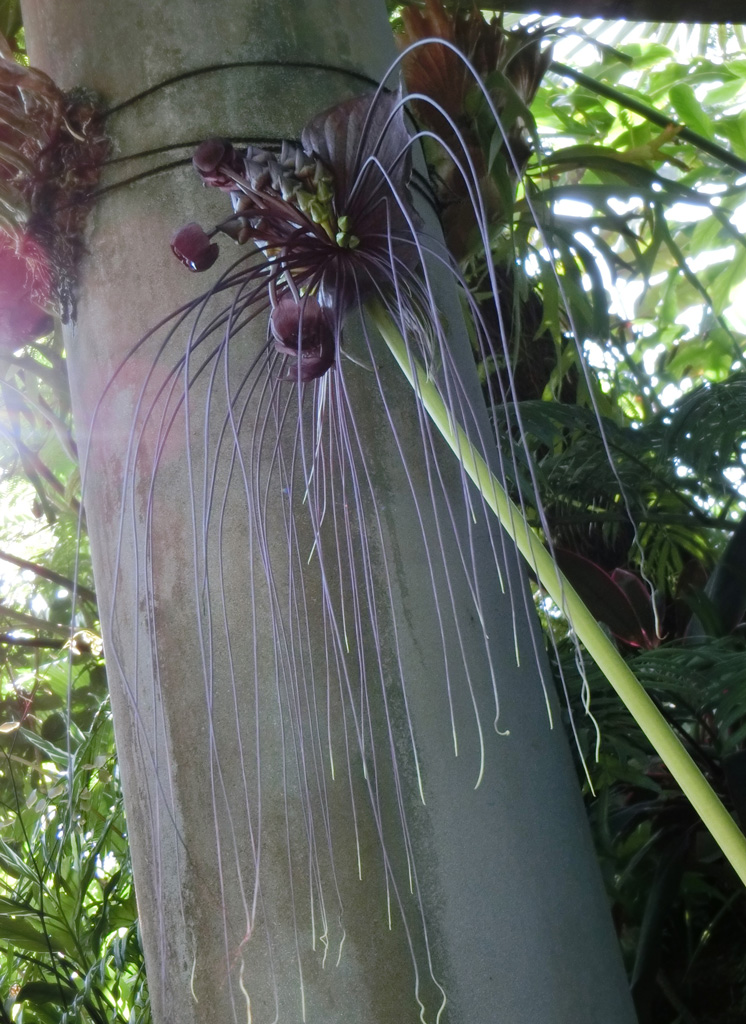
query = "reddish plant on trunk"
x=25 y=291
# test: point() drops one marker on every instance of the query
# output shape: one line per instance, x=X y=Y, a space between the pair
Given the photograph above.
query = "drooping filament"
x=327 y=478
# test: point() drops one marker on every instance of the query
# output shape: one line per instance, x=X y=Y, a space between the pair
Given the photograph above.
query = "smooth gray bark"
x=516 y=916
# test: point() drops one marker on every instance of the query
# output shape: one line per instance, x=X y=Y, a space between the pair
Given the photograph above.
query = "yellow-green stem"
x=693 y=784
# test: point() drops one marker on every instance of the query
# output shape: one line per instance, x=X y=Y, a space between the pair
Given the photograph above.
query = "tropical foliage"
x=621 y=379
x=70 y=948
x=615 y=199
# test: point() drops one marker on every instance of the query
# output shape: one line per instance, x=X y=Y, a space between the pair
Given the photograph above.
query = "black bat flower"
x=332 y=216
x=309 y=460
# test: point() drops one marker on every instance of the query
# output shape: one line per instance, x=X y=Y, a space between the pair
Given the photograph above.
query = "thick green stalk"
x=693 y=784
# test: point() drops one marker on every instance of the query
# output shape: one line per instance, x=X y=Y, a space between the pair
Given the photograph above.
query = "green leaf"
x=725 y=278
x=14 y=865
x=16 y=908
x=40 y=992
x=690 y=111
x=24 y=935
x=734 y=130
x=53 y=752
x=646 y=55
x=725 y=93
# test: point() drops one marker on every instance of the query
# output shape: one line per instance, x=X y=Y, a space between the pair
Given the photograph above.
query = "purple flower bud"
x=213 y=154
x=304 y=330
x=192 y=245
x=311 y=367
x=209 y=155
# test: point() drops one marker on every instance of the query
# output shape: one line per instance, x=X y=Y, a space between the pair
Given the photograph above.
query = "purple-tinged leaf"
x=608 y=601
x=352 y=139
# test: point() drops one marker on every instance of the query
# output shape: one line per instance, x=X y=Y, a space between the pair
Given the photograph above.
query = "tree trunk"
x=494 y=894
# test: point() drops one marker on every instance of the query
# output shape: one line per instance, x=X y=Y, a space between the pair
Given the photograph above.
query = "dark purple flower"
x=193 y=247
x=366 y=145
x=333 y=207
x=332 y=216
x=304 y=331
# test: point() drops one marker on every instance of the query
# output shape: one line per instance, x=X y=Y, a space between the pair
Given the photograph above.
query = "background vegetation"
x=628 y=146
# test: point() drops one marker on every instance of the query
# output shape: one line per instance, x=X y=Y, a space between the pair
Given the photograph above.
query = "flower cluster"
x=332 y=216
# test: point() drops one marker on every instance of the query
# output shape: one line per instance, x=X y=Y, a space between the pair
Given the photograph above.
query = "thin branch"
x=656 y=117
x=51 y=575
x=585 y=518
x=46 y=643
x=24 y=621
x=691 y=12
